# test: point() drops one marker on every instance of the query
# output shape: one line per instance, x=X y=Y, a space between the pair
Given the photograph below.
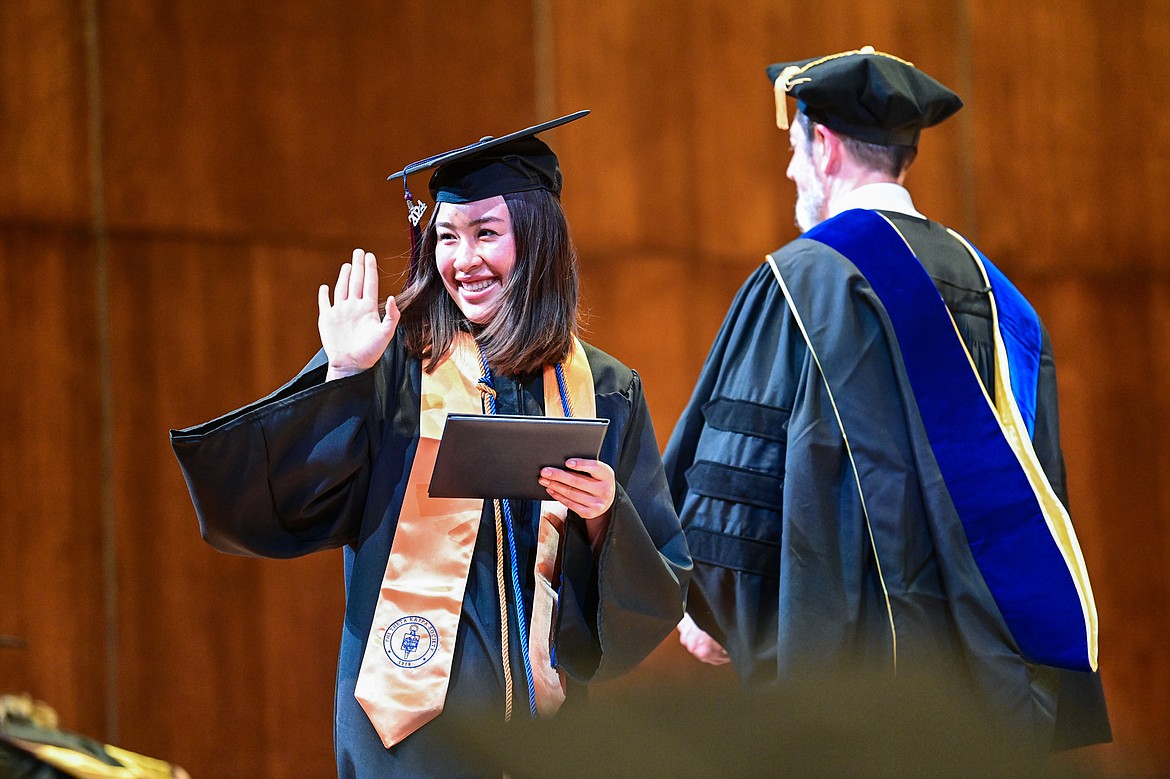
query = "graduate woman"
x=461 y=613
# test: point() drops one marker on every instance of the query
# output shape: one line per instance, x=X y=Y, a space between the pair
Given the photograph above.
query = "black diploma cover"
x=500 y=456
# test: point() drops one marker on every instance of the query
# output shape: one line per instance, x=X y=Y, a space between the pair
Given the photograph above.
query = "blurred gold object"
x=25 y=708
x=34 y=724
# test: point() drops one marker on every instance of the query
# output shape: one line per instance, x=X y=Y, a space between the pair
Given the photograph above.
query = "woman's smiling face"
x=475 y=252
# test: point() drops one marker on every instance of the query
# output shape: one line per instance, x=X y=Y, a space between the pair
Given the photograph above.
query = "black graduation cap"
x=865 y=94
x=516 y=162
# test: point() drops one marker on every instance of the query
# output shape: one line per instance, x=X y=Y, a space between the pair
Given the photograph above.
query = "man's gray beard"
x=809 y=207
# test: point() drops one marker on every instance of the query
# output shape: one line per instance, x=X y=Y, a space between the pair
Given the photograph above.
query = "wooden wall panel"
x=52 y=592
x=214 y=648
x=44 y=124
x=650 y=311
x=1072 y=161
x=51 y=524
x=684 y=90
x=253 y=120
x=1113 y=380
x=621 y=61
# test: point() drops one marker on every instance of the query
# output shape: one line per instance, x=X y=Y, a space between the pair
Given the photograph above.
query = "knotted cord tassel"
x=505 y=651
x=487 y=393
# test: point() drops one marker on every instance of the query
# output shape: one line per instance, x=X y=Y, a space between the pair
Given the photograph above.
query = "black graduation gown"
x=319 y=465
x=785 y=574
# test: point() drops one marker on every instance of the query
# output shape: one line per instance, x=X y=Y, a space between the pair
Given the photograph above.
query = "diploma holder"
x=500 y=456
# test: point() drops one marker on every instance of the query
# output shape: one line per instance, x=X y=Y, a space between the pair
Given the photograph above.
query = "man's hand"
x=700 y=644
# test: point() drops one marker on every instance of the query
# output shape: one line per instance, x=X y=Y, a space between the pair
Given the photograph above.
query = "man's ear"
x=820 y=149
x=827 y=150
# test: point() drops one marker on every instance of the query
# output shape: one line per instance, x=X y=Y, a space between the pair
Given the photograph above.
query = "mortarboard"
x=865 y=94
x=516 y=162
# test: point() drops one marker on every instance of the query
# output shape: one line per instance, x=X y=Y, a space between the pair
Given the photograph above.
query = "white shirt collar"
x=883 y=196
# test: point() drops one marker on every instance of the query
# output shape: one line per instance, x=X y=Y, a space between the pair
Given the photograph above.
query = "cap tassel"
x=781 y=86
x=781 y=105
x=414 y=213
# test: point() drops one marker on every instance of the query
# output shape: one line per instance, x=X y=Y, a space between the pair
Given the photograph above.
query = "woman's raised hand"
x=353 y=333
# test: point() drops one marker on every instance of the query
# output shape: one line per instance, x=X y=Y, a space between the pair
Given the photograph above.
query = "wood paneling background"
x=177 y=178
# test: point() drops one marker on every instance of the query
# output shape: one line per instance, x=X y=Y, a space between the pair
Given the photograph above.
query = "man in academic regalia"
x=869 y=472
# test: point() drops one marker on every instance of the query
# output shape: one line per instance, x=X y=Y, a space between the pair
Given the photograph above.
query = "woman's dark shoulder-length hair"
x=538 y=315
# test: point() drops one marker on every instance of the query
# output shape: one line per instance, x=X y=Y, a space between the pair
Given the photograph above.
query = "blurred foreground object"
x=835 y=725
x=33 y=747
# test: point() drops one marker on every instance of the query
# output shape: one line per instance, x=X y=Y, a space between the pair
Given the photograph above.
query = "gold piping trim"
x=1011 y=422
x=796 y=70
x=848 y=450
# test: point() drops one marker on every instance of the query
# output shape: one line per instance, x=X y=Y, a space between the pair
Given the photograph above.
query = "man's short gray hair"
x=890 y=160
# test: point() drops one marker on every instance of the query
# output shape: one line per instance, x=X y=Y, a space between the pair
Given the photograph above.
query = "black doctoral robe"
x=785 y=574
x=319 y=465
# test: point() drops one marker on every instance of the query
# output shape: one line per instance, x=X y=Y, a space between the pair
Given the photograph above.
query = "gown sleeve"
x=725 y=463
x=288 y=474
x=617 y=606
